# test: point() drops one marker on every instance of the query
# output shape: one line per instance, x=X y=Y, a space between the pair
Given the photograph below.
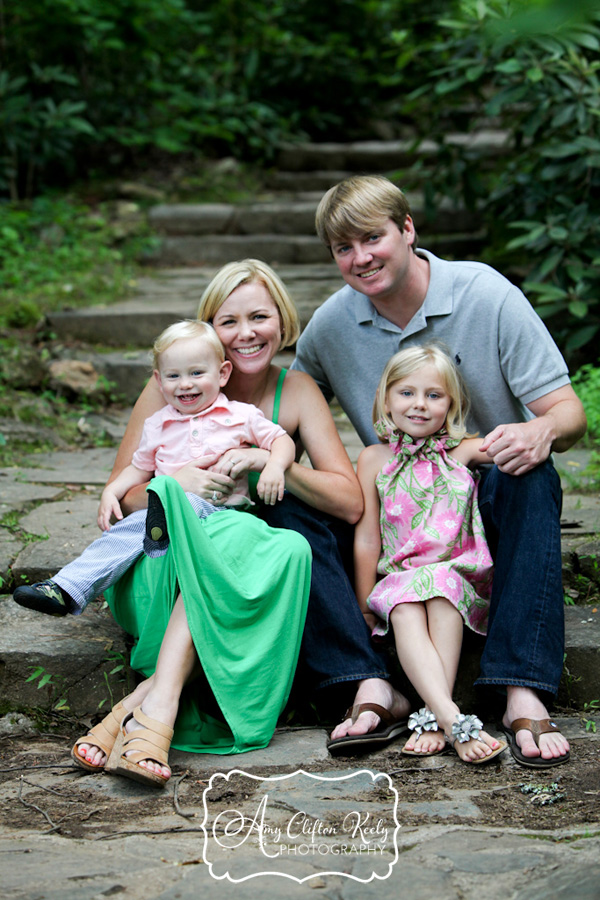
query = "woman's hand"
x=241 y=461
x=206 y=483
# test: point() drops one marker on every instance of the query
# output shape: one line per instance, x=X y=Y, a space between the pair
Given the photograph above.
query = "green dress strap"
x=254 y=476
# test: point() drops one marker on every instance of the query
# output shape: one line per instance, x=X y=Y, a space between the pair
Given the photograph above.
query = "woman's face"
x=249 y=326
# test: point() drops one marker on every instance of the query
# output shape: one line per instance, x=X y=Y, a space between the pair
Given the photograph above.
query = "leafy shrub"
x=587 y=387
x=533 y=69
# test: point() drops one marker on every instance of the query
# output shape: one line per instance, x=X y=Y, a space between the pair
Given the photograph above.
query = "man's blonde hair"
x=179 y=331
x=357 y=206
x=251 y=271
x=404 y=363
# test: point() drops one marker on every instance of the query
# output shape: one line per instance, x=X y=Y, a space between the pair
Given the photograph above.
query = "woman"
x=255 y=318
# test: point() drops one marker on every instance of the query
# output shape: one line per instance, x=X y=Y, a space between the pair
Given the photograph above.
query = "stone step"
x=56 y=504
x=174 y=294
x=282 y=217
x=381 y=156
x=190 y=250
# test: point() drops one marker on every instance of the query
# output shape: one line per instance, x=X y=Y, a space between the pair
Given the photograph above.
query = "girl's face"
x=419 y=403
x=249 y=326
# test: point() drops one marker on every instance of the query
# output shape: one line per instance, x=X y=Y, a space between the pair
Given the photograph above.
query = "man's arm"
x=520 y=446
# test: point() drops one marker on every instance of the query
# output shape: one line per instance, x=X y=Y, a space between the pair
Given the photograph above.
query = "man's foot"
x=373 y=690
x=45 y=597
x=524 y=703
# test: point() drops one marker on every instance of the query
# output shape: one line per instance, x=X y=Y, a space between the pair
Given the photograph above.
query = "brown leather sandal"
x=102 y=735
x=150 y=741
x=388 y=729
x=536 y=727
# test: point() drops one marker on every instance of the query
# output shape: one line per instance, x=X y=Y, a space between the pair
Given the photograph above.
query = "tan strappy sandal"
x=102 y=735
x=150 y=741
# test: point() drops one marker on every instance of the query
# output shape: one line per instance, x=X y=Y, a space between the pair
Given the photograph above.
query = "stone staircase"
x=55 y=499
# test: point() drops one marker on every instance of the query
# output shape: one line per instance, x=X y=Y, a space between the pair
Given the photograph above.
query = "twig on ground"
x=178 y=810
x=33 y=805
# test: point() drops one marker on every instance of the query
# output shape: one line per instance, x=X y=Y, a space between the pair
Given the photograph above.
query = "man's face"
x=377 y=263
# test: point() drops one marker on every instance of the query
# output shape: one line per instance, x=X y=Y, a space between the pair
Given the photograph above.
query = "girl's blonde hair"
x=251 y=271
x=410 y=360
x=189 y=328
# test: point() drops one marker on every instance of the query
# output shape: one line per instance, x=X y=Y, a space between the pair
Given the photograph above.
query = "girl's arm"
x=331 y=484
x=469 y=454
x=367 y=536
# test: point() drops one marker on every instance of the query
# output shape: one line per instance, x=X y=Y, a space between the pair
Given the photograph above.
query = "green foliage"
x=108 y=82
x=534 y=69
x=58 y=250
x=586 y=383
x=58 y=692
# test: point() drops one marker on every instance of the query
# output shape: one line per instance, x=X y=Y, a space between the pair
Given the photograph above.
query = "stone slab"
x=16 y=494
x=72 y=649
x=297 y=747
x=77 y=467
x=68 y=526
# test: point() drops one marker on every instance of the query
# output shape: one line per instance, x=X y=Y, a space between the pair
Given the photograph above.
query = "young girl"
x=421 y=529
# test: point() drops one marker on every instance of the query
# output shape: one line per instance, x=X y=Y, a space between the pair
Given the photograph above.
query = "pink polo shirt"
x=171 y=439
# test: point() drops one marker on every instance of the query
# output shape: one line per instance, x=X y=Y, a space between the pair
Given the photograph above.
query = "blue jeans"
x=525 y=641
x=336 y=645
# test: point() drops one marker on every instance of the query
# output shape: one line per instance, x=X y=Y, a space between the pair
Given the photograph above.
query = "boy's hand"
x=109 y=507
x=271 y=484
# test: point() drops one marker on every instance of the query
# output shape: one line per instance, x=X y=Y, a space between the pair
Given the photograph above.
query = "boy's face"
x=191 y=375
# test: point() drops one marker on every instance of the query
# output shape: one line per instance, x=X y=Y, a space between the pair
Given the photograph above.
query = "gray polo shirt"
x=502 y=348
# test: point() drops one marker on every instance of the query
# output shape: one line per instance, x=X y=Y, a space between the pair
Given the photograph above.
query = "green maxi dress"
x=245 y=591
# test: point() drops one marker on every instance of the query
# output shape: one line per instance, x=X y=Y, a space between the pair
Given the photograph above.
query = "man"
x=522 y=401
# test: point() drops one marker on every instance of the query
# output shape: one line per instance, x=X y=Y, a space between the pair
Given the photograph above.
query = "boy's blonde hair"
x=189 y=328
x=251 y=271
x=404 y=363
x=358 y=206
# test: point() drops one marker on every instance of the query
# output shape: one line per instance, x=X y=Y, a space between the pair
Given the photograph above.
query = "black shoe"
x=157 y=536
x=45 y=597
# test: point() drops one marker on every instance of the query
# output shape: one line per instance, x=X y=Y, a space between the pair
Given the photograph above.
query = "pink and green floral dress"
x=432 y=537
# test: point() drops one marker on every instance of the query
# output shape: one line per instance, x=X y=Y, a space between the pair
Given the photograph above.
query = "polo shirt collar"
x=438 y=299
x=172 y=414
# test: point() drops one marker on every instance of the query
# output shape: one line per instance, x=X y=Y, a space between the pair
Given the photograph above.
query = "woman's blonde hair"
x=251 y=271
x=189 y=328
x=357 y=206
x=404 y=363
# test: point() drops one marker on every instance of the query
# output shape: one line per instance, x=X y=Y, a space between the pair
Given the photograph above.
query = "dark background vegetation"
x=94 y=89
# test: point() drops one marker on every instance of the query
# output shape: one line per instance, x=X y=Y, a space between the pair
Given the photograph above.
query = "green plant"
x=56 y=685
x=535 y=69
x=592 y=707
x=542 y=794
x=120 y=667
x=586 y=382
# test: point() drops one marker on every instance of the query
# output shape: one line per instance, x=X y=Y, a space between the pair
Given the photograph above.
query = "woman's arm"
x=331 y=484
x=367 y=536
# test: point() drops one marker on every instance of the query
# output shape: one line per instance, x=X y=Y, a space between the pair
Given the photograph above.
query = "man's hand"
x=518 y=447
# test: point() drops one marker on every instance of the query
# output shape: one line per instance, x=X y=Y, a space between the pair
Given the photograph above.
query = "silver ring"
x=214 y=497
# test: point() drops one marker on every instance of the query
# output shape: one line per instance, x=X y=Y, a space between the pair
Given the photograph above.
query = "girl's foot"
x=426 y=738
x=427 y=744
x=472 y=744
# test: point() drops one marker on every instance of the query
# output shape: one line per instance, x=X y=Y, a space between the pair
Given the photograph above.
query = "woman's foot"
x=159 y=716
x=524 y=703
x=373 y=690
x=96 y=756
